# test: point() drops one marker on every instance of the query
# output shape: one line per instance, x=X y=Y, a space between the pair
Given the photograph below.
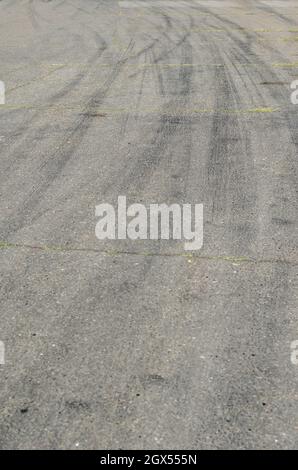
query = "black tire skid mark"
x=53 y=165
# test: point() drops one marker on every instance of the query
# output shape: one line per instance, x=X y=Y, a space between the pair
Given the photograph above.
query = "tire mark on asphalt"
x=52 y=165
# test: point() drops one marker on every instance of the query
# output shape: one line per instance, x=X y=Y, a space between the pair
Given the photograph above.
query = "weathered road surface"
x=133 y=344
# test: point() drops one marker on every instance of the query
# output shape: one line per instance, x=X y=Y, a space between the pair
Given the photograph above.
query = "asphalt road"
x=138 y=344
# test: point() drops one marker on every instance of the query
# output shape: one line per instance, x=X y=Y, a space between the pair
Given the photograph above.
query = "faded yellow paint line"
x=144 y=110
x=262 y=110
x=292 y=39
x=55 y=67
x=244 y=30
x=286 y=65
x=190 y=256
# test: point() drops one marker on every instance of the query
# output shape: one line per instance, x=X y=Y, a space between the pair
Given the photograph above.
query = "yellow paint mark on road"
x=236 y=259
x=145 y=110
x=241 y=30
x=85 y=66
x=286 y=65
x=292 y=39
x=262 y=110
x=117 y=252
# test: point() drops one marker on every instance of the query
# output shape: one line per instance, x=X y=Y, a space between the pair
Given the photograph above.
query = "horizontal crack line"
x=185 y=254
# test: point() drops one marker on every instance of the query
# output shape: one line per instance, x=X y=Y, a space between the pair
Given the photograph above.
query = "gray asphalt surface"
x=122 y=344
